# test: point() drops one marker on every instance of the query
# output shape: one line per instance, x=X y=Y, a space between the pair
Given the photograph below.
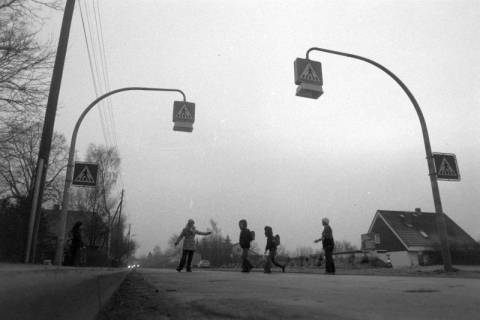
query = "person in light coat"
x=188 y=235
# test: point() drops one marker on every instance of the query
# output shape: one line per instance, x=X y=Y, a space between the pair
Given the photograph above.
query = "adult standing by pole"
x=328 y=244
x=47 y=133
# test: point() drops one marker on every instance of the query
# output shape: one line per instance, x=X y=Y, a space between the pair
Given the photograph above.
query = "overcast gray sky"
x=259 y=152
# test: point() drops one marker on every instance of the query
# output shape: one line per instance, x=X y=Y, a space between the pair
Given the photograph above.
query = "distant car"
x=204 y=264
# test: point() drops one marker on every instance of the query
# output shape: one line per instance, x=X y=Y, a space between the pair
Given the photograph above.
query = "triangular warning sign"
x=309 y=74
x=84 y=176
x=446 y=169
x=184 y=113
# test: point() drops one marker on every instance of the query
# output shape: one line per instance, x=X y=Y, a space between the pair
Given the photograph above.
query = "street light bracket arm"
x=397 y=80
x=70 y=164
x=105 y=95
x=441 y=225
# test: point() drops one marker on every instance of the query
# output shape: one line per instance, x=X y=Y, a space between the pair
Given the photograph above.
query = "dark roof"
x=416 y=228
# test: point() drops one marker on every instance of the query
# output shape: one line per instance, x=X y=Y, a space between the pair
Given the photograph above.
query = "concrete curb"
x=56 y=292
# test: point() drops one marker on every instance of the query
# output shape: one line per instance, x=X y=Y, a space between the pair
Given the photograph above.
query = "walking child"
x=246 y=236
x=271 y=248
x=188 y=233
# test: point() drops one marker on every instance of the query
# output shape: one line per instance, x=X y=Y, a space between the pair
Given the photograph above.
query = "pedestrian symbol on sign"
x=310 y=74
x=446 y=169
x=85 y=174
x=446 y=166
x=184 y=113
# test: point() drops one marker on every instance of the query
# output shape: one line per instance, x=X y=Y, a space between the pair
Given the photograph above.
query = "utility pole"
x=111 y=222
x=47 y=133
x=119 y=229
x=129 y=237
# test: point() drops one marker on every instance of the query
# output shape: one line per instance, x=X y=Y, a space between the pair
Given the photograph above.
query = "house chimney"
x=408 y=219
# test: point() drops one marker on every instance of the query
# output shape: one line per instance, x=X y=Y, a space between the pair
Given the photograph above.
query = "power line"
x=92 y=69
x=107 y=82
x=105 y=72
x=99 y=72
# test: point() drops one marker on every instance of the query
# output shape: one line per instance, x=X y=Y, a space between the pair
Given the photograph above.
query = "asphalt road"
x=166 y=294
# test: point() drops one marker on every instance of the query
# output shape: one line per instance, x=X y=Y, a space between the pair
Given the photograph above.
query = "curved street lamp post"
x=308 y=77
x=183 y=117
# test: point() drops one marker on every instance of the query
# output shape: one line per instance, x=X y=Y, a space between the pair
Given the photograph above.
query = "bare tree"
x=108 y=161
x=101 y=198
x=18 y=155
x=344 y=245
x=25 y=63
x=172 y=249
x=304 y=251
x=104 y=227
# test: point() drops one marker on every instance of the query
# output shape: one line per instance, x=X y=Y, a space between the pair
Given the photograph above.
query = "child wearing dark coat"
x=244 y=241
x=271 y=248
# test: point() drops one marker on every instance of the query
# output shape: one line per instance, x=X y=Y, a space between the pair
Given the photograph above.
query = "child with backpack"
x=271 y=248
x=246 y=236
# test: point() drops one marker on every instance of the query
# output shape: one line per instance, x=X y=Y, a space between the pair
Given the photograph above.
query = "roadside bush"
x=13 y=232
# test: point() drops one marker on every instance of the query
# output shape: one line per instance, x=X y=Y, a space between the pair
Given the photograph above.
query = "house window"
x=424 y=234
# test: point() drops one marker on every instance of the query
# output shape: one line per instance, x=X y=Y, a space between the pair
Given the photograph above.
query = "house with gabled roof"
x=410 y=237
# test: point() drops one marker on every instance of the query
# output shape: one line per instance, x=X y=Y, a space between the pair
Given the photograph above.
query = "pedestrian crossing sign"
x=308 y=77
x=183 y=116
x=308 y=71
x=85 y=174
x=446 y=167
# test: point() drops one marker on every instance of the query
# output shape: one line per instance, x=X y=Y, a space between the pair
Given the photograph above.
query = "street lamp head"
x=308 y=77
x=183 y=116
x=183 y=126
x=308 y=90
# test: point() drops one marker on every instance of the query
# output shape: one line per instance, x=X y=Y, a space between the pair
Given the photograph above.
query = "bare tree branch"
x=25 y=63
x=18 y=154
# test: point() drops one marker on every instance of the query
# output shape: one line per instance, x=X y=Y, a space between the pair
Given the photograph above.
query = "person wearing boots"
x=271 y=248
x=244 y=242
x=188 y=235
x=328 y=245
